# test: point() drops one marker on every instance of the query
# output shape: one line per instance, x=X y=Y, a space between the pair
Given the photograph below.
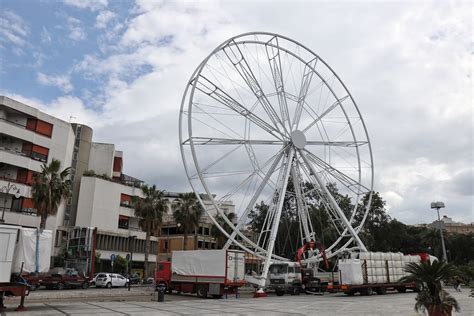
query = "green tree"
x=221 y=239
x=49 y=188
x=428 y=277
x=120 y=265
x=149 y=210
x=187 y=211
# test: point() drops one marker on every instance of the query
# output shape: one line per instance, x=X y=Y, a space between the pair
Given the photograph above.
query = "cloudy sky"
x=121 y=67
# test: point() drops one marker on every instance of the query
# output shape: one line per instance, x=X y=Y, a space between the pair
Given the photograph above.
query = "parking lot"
x=139 y=302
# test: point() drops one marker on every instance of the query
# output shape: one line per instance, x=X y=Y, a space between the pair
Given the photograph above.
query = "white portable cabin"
x=18 y=250
x=8 y=237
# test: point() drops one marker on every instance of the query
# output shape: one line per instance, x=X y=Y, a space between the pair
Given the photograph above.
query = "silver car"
x=110 y=280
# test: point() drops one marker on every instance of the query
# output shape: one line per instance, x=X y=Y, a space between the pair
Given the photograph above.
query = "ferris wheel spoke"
x=326 y=112
x=230 y=141
x=242 y=67
x=333 y=202
x=353 y=185
x=244 y=217
x=273 y=55
x=302 y=208
x=305 y=83
x=216 y=161
x=255 y=172
x=277 y=215
x=209 y=88
x=337 y=143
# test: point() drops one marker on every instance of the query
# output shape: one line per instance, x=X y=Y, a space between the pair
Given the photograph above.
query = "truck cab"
x=285 y=277
x=163 y=274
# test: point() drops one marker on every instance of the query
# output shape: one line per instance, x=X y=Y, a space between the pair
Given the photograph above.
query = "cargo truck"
x=204 y=272
x=367 y=273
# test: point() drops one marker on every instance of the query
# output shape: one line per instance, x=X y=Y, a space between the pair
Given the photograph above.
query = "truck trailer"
x=204 y=272
x=375 y=272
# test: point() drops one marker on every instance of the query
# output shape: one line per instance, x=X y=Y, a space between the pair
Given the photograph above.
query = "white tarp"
x=25 y=251
x=7 y=248
x=199 y=263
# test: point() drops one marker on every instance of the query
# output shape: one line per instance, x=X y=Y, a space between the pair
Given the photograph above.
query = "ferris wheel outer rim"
x=196 y=74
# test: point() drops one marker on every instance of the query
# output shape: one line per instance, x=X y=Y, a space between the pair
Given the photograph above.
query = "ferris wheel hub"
x=298 y=139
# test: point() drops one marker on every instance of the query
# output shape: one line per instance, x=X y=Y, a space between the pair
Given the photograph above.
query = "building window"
x=123 y=222
x=125 y=200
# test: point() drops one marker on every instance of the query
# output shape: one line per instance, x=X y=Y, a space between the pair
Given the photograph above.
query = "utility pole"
x=437 y=206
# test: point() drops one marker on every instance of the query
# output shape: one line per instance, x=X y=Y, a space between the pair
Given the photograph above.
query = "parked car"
x=68 y=280
x=134 y=278
x=93 y=279
x=110 y=280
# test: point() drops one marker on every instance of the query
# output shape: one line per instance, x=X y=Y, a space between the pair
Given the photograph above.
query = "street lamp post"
x=437 y=206
x=6 y=189
x=178 y=225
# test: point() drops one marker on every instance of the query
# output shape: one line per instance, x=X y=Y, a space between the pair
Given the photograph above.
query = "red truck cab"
x=163 y=274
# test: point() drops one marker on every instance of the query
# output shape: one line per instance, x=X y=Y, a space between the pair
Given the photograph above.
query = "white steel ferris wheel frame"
x=294 y=157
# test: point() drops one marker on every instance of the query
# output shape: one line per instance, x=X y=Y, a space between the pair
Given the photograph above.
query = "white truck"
x=204 y=272
x=375 y=272
x=21 y=250
x=285 y=277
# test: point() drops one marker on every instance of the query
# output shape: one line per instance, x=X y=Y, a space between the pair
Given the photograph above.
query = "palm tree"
x=217 y=233
x=428 y=277
x=149 y=210
x=187 y=211
x=49 y=188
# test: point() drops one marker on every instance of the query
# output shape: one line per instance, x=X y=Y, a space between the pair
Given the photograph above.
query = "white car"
x=110 y=280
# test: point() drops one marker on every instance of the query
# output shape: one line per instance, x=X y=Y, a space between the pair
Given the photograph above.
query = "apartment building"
x=29 y=138
x=105 y=202
x=102 y=194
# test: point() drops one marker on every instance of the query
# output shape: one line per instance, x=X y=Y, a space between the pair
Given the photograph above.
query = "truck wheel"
x=280 y=292
x=367 y=291
x=202 y=291
x=109 y=285
x=85 y=285
x=294 y=291
x=381 y=290
x=60 y=286
x=401 y=289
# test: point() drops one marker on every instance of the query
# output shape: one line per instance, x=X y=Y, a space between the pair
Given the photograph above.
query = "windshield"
x=278 y=268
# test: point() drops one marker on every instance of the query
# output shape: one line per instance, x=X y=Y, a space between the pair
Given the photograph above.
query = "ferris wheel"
x=264 y=119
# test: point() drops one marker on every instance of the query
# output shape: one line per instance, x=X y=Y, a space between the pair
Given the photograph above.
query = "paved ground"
x=329 y=304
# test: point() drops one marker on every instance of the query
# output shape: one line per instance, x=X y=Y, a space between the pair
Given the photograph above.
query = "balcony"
x=24 y=160
x=21 y=132
x=25 y=189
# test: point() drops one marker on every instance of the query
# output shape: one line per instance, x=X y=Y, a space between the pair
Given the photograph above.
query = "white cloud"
x=13 y=29
x=61 y=81
x=92 y=5
x=45 y=36
x=103 y=18
x=76 y=30
x=406 y=64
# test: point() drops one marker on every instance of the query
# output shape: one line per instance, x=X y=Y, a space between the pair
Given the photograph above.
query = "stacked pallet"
x=375 y=267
